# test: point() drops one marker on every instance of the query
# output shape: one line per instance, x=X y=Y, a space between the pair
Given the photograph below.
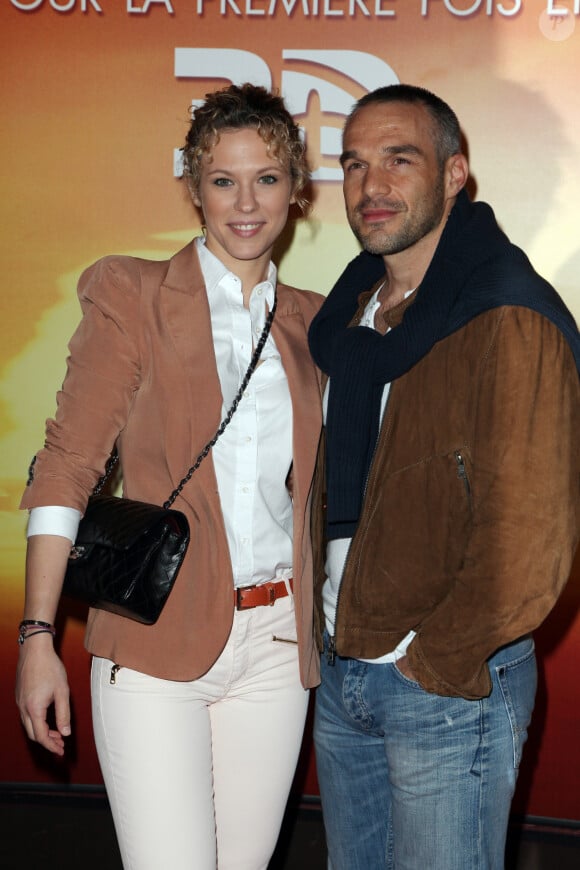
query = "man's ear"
x=456 y=174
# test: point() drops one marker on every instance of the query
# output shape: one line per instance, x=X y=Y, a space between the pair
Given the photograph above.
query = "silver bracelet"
x=30 y=627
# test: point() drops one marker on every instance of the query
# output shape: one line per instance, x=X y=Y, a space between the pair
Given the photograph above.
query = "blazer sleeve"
x=103 y=373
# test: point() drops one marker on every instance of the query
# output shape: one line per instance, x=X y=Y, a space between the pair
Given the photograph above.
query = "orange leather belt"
x=260 y=594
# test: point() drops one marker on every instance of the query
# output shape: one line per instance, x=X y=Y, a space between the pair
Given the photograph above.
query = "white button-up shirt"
x=253 y=456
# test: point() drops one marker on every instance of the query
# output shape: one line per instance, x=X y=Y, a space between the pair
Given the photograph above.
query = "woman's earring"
x=204 y=229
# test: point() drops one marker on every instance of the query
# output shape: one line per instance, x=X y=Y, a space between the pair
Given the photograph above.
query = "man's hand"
x=41 y=681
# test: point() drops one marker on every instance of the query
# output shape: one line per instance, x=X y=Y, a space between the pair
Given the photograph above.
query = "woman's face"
x=244 y=194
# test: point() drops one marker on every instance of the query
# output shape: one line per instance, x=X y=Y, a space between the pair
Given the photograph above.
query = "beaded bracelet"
x=30 y=627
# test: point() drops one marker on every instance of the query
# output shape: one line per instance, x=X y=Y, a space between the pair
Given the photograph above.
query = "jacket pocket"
x=411 y=540
x=461 y=463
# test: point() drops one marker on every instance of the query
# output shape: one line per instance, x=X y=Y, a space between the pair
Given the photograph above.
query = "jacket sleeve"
x=525 y=501
x=103 y=372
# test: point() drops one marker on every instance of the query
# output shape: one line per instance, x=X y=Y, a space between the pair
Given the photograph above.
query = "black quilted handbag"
x=126 y=556
x=127 y=553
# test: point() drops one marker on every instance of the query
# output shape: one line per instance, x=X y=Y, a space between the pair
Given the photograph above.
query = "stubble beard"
x=428 y=214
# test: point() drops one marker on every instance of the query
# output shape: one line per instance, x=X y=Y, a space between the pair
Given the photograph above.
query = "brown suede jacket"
x=471 y=513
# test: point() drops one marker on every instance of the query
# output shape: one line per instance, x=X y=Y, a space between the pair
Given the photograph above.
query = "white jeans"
x=198 y=773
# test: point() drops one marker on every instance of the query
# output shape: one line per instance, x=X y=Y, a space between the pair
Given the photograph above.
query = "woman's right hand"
x=40 y=676
x=41 y=681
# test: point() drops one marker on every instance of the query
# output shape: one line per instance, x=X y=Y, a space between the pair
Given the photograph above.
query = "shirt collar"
x=215 y=274
x=368 y=315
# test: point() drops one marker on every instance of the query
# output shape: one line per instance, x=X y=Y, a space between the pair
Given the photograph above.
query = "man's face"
x=394 y=187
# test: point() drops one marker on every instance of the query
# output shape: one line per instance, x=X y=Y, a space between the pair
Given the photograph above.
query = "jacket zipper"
x=462 y=473
x=331 y=647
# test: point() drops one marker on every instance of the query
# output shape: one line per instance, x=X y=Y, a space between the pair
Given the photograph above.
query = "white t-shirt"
x=337 y=550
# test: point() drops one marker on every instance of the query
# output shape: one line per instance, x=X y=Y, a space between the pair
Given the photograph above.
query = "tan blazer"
x=142 y=373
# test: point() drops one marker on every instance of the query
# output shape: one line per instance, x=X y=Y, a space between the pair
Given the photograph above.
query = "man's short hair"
x=447 y=130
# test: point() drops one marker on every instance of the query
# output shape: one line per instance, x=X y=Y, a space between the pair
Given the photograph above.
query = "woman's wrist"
x=30 y=627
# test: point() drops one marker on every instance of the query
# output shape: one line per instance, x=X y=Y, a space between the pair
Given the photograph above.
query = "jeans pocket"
x=410 y=681
x=517 y=681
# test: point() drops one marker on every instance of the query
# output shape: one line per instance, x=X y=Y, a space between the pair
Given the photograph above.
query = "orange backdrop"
x=95 y=97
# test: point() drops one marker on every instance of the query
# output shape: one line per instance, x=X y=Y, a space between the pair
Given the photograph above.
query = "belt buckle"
x=268 y=589
x=271 y=593
x=239 y=602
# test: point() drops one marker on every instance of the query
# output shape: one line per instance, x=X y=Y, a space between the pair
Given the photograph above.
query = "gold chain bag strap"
x=127 y=553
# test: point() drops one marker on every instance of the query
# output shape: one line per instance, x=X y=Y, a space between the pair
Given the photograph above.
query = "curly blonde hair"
x=238 y=107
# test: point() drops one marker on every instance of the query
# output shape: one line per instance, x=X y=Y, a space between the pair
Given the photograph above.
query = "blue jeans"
x=415 y=781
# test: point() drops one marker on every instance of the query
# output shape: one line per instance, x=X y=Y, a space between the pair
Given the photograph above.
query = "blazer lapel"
x=290 y=335
x=198 y=399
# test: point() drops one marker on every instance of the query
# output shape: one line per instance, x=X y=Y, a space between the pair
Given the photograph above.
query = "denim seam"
x=503 y=683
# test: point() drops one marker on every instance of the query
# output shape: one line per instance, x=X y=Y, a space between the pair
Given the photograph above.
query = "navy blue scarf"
x=475 y=268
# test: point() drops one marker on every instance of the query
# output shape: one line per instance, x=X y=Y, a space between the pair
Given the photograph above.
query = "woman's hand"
x=40 y=677
x=41 y=681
